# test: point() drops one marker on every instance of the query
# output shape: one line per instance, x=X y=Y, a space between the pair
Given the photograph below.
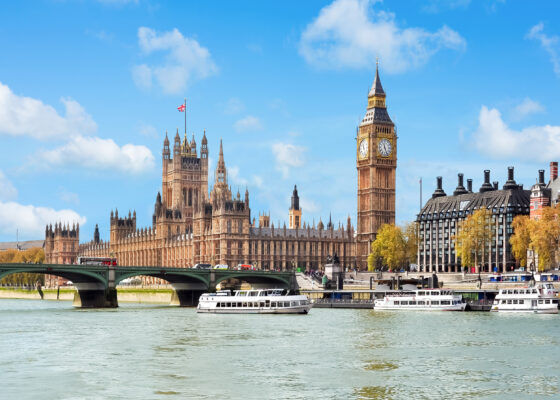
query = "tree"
x=545 y=237
x=370 y=262
x=390 y=246
x=33 y=255
x=411 y=239
x=473 y=238
x=523 y=228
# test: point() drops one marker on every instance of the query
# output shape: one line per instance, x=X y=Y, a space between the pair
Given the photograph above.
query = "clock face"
x=363 y=148
x=384 y=147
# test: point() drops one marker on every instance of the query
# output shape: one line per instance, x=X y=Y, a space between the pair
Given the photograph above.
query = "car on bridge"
x=245 y=267
x=221 y=266
x=203 y=266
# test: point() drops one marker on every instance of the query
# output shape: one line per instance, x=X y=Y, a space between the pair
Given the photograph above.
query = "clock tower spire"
x=376 y=161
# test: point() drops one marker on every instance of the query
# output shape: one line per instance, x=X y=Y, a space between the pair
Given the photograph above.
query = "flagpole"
x=185 y=104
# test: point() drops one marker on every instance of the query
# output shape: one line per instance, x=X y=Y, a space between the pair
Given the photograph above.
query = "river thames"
x=50 y=350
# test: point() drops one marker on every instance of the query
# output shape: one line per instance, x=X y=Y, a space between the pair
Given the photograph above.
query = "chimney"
x=439 y=191
x=460 y=188
x=486 y=186
x=510 y=183
x=495 y=185
x=469 y=185
x=541 y=176
x=553 y=170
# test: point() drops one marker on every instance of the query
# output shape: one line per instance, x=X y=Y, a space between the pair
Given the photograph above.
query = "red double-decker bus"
x=108 y=261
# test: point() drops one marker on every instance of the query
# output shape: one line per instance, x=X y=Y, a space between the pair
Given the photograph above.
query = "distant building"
x=440 y=217
x=191 y=226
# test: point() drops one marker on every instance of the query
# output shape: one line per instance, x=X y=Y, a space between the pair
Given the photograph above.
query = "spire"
x=295 y=199
x=166 y=140
x=376 y=88
x=221 y=173
x=204 y=140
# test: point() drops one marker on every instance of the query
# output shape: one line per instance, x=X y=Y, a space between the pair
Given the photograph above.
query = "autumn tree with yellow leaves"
x=542 y=236
x=33 y=255
x=394 y=247
x=473 y=238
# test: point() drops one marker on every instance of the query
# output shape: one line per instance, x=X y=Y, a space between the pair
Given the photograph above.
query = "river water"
x=49 y=350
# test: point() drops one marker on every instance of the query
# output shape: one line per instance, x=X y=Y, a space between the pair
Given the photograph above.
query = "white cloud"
x=288 y=156
x=495 y=139
x=249 y=123
x=309 y=206
x=142 y=76
x=549 y=43
x=233 y=173
x=7 y=190
x=94 y=152
x=348 y=33
x=69 y=197
x=186 y=60
x=234 y=106
x=30 y=220
x=27 y=116
x=526 y=108
x=148 y=130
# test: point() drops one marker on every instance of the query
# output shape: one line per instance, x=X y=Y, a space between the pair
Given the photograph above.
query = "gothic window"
x=240 y=226
x=240 y=249
x=190 y=197
x=185 y=197
x=229 y=226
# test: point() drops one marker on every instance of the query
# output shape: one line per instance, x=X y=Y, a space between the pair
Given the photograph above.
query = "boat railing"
x=343 y=301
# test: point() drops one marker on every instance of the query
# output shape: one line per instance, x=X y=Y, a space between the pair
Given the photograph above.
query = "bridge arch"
x=73 y=273
x=257 y=279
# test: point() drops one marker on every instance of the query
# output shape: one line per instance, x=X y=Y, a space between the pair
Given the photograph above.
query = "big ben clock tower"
x=376 y=163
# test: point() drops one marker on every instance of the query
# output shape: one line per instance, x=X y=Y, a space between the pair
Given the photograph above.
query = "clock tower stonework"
x=376 y=163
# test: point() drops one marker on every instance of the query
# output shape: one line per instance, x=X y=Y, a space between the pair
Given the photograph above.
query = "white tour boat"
x=421 y=300
x=262 y=301
x=540 y=299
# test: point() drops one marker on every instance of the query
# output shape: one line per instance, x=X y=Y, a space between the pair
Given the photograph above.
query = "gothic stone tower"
x=184 y=177
x=295 y=211
x=376 y=163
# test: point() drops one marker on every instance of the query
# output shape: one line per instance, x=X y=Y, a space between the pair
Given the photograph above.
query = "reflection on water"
x=375 y=393
x=50 y=350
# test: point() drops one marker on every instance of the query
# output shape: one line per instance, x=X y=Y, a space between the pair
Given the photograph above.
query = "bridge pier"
x=92 y=295
x=187 y=294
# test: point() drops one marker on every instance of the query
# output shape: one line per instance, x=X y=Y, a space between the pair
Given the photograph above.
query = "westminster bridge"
x=96 y=286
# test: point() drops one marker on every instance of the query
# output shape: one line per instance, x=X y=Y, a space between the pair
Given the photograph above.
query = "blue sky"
x=88 y=89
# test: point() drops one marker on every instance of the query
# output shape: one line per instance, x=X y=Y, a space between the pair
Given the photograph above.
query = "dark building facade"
x=439 y=221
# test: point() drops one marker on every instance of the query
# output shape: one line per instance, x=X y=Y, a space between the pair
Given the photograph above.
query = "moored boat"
x=263 y=301
x=421 y=300
x=539 y=299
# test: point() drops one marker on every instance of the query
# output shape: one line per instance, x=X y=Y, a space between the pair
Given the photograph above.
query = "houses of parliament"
x=191 y=224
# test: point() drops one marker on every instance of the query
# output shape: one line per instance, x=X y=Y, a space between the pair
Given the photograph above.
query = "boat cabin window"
x=555 y=301
x=547 y=302
x=509 y=301
x=253 y=293
x=445 y=302
x=412 y=303
x=435 y=303
x=273 y=304
x=421 y=293
x=397 y=302
x=404 y=303
x=504 y=301
x=534 y=291
x=435 y=293
x=421 y=303
x=540 y=302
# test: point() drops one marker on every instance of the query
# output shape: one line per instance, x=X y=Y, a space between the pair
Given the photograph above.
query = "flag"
x=181 y=108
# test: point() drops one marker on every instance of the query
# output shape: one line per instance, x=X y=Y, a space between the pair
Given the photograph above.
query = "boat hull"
x=223 y=310
x=457 y=307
